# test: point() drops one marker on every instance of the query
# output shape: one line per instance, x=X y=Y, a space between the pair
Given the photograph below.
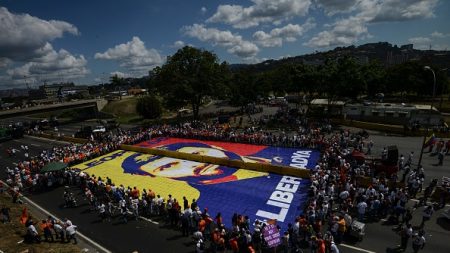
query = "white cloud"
x=346 y=31
x=23 y=37
x=288 y=33
x=332 y=7
x=262 y=11
x=27 y=54
x=118 y=74
x=419 y=40
x=5 y=62
x=203 y=10
x=54 y=65
x=343 y=32
x=244 y=49
x=402 y=10
x=233 y=42
x=133 y=55
x=425 y=43
x=439 y=35
x=178 y=44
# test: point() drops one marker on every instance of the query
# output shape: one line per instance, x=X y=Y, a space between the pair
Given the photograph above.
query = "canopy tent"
x=54 y=166
x=358 y=156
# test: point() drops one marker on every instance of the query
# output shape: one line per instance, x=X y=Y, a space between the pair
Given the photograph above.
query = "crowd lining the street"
x=336 y=196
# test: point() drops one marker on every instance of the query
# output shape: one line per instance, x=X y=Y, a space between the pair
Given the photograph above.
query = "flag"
x=24 y=216
x=430 y=141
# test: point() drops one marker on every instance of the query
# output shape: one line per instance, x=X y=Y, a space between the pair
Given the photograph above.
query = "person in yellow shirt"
x=342 y=228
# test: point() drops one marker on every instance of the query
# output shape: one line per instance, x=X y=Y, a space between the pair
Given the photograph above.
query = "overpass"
x=91 y=103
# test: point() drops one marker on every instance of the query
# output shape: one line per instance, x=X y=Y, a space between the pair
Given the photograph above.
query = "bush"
x=149 y=107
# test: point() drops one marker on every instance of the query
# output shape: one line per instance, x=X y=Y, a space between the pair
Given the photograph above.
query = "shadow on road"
x=443 y=223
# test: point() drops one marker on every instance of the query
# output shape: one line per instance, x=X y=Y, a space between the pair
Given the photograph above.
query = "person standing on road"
x=405 y=234
x=441 y=158
x=59 y=231
x=123 y=210
x=334 y=248
x=71 y=232
x=418 y=242
x=426 y=215
x=32 y=232
x=362 y=206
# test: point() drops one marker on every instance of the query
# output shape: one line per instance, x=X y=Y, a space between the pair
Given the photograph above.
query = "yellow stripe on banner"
x=161 y=185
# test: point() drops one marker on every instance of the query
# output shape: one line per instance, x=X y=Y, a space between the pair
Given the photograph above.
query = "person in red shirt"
x=234 y=245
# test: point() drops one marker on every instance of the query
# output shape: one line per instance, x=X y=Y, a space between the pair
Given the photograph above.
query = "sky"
x=86 y=42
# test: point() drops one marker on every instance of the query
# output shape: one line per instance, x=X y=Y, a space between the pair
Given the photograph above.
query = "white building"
x=399 y=114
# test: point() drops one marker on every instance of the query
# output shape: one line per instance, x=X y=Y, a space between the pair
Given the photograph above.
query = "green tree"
x=149 y=107
x=374 y=78
x=189 y=76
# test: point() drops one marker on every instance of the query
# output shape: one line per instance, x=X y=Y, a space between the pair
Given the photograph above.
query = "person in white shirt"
x=32 y=232
x=59 y=231
x=102 y=211
x=418 y=242
x=426 y=215
x=334 y=248
x=405 y=234
x=71 y=232
x=362 y=206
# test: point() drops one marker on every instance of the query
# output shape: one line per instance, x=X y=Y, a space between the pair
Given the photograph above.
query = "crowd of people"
x=337 y=196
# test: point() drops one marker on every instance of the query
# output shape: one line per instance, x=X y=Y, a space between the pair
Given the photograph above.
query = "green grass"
x=123 y=110
x=11 y=234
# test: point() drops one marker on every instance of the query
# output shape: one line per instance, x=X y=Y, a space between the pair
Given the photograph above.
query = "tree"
x=374 y=77
x=189 y=76
x=117 y=83
x=149 y=107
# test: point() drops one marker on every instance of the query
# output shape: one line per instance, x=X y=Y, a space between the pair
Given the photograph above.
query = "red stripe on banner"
x=237 y=148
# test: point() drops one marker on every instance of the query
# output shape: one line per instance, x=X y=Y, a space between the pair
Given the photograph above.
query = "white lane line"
x=98 y=246
x=428 y=203
x=356 y=248
x=149 y=220
x=78 y=233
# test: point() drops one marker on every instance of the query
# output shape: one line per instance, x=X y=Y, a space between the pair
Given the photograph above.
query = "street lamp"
x=429 y=116
x=442 y=90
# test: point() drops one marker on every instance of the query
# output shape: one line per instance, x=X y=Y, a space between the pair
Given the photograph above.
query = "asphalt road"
x=145 y=236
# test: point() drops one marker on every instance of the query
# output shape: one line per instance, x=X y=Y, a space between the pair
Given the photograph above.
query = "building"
x=137 y=91
x=321 y=106
x=53 y=91
x=398 y=114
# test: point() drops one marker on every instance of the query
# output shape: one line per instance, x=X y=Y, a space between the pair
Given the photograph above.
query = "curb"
x=84 y=238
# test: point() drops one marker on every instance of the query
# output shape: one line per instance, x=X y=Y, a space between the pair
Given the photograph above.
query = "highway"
x=146 y=236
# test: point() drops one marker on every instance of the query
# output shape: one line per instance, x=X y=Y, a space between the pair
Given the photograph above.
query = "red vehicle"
x=387 y=164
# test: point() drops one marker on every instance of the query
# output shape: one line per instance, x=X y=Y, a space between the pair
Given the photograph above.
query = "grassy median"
x=12 y=233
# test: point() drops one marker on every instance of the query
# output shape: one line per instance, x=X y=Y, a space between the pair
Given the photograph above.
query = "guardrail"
x=396 y=129
x=60 y=138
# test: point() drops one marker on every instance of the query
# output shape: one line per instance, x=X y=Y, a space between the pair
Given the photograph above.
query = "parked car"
x=99 y=129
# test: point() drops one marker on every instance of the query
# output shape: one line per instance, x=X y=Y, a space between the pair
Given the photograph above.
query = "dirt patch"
x=12 y=234
x=124 y=107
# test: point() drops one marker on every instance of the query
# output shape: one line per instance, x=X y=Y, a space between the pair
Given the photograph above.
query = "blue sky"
x=88 y=41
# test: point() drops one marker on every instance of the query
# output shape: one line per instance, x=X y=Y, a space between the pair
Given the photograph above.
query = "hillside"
x=383 y=52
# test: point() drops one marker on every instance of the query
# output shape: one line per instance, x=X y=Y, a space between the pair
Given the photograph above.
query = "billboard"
x=258 y=195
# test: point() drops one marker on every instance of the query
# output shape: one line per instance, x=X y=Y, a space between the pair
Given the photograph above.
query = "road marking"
x=35 y=145
x=356 y=248
x=428 y=202
x=47 y=140
x=149 y=220
x=98 y=246
x=78 y=233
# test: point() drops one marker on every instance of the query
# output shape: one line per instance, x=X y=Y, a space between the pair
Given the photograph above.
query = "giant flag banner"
x=258 y=195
